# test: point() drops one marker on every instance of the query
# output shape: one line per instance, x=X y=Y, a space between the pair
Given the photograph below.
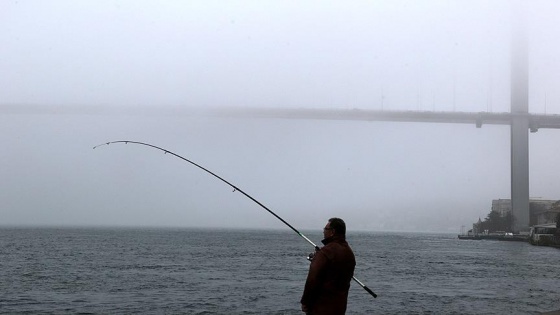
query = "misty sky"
x=391 y=55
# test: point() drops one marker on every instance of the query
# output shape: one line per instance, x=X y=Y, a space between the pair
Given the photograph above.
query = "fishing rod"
x=235 y=188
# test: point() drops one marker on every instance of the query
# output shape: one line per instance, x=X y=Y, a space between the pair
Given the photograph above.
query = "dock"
x=511 y=238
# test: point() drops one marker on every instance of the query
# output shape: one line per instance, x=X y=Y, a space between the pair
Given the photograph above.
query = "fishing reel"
x=310 y=256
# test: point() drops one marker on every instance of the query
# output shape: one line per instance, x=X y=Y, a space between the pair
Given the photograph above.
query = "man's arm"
x=314 y=281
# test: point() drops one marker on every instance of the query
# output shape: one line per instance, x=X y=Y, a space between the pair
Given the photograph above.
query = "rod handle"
x=370 y=292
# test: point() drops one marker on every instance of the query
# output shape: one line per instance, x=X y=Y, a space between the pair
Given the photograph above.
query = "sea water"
x=213 y=271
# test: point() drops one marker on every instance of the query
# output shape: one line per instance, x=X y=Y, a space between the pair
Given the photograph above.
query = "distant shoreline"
x=209 y=228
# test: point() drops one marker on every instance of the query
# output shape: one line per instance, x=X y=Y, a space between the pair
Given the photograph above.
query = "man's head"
x=335 y=226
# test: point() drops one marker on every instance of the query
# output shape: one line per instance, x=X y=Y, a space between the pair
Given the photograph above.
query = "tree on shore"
x=495 y=222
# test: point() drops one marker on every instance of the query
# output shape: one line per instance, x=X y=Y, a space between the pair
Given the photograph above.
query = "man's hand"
x=304 y=308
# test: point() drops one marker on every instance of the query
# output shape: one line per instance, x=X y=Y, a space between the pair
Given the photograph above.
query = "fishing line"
x=235 y=188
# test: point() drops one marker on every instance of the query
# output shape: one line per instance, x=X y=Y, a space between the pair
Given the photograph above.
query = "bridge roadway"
x=536 y=121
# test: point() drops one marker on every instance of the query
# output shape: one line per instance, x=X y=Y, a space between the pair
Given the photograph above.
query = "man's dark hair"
x=338 y=225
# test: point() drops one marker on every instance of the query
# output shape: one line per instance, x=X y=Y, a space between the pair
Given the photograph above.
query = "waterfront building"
x=541 y=211
x=502 y=206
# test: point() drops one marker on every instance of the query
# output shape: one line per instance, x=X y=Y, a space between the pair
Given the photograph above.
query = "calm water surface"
x=189 y=271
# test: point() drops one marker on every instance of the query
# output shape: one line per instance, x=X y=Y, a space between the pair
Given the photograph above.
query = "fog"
x=76 y=74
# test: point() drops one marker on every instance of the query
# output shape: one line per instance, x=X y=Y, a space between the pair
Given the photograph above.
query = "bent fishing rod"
x=235 y=188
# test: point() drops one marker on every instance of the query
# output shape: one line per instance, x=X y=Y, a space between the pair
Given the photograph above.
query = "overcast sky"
x=391 y=55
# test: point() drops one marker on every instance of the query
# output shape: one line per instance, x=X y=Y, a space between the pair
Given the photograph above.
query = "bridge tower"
x=520 y=124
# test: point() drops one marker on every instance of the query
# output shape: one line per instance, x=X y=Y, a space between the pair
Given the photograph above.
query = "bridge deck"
x=536 y=121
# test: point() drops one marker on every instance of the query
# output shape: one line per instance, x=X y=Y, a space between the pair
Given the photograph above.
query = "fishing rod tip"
x=101 y=144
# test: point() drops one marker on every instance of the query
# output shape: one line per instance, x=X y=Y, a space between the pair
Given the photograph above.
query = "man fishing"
x=330 y=273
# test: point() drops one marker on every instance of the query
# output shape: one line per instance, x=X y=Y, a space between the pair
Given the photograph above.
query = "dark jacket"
x=329 y=277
